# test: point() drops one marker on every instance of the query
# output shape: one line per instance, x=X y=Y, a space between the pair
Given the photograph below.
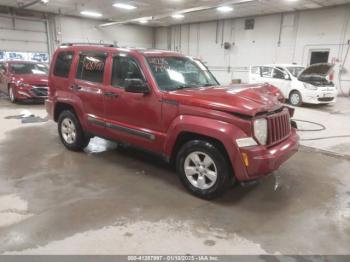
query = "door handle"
x=75 y=87
x=110 y=94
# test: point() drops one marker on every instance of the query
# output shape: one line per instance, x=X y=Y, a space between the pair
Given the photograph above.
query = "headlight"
x=310 y=87
x=21 y=84
x=260 y=130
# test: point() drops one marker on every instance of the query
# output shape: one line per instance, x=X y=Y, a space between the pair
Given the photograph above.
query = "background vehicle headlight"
x=260 y=130
x=310 y=87
x=21 y=84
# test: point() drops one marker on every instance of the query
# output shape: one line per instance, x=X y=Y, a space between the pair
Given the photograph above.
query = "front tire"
x=295 y=98
x=71 y=132
x=203 y=169
x=12 y=95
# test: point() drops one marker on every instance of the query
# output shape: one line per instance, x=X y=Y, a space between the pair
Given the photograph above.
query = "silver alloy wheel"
x=11 y=94
x=200 y=170
x=295 y=99
x=68 y=131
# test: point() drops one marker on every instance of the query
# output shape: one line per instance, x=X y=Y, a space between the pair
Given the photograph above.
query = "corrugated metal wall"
x=23 y=35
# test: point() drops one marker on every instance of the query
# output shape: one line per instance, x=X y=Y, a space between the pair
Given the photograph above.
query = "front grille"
x=326 y=99
x=279 y=127
x=40 y=91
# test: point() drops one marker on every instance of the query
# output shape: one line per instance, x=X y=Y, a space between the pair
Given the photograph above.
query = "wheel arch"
x=186 y=136
x=222 y=134
x=60 y=106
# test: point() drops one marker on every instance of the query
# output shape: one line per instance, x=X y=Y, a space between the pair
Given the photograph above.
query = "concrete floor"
x=109 y=200
x=335 y=118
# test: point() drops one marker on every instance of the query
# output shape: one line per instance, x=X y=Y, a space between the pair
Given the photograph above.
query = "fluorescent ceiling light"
x=177 y=16
x=224 y=9
x=90 y=13
x=124 y=6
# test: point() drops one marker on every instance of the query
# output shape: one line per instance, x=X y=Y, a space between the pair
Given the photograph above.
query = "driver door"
x=131 y=117
x=281 y=80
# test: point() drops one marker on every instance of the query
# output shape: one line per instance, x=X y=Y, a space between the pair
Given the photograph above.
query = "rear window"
x=28 y=68
x=91 y=67
x=63 y=64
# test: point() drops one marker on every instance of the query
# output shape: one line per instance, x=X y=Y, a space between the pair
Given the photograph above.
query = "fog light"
x=245 y=159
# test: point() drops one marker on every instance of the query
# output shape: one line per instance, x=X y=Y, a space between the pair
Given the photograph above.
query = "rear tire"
x=203 y=169
x=71 y=132
x=12 y=95
x=295 y=98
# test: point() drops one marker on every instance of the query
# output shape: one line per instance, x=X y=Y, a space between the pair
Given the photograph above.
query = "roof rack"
x=89 y=43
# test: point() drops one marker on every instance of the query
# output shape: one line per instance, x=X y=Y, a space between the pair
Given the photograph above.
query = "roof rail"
x=89 y=43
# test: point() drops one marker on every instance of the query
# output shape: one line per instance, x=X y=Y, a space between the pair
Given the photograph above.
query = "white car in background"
x=311 y=85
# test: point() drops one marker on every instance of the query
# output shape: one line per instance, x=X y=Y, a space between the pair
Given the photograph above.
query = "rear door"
x=88 y=88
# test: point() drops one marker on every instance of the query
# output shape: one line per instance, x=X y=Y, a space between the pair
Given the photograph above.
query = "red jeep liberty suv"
x=170 y=104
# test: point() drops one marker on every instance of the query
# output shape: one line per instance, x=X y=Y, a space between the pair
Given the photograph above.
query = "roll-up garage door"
x=23 y=35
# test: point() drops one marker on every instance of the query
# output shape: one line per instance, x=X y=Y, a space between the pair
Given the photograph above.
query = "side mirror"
x=136 y=85
x=286 y=77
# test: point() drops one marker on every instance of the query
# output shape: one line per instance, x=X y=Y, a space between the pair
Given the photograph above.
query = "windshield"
x=295 y=70
x=29 y=68
x=174 y=73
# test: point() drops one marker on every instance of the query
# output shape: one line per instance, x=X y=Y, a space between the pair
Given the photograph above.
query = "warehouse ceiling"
x=160 y=12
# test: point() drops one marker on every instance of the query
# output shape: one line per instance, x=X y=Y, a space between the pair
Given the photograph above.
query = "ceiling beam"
x=166 y=15
x=28 y=4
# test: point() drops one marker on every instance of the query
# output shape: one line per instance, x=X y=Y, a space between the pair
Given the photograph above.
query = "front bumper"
x=32 y=93
x=320 y=96
x=264 y=160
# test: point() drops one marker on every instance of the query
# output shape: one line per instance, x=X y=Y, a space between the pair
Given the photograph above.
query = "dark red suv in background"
x=24 y=80
x=170 y=104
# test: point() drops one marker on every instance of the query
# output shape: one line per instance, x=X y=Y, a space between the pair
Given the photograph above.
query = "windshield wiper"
x=184 y=87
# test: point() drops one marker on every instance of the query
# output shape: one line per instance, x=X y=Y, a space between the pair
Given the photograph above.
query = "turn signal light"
x=245 y=159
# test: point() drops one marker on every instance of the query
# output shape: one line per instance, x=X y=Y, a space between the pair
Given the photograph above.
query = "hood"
x=317 y=73
x=240 y=99
x=41 y=80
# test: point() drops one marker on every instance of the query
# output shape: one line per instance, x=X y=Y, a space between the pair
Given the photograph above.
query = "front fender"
x=222 y=131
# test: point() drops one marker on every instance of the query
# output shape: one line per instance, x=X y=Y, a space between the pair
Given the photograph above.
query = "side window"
x=63 y=64
x=277 y=73
x=124 y=67
x=91 y=67
x=266 y=71
x=255 y=70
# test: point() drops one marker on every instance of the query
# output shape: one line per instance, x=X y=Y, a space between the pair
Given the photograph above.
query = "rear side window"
x=63 y=64
x=91 y=67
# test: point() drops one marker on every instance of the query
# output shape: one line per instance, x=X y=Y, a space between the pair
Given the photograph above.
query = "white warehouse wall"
x=72 y=29
x=278 y=38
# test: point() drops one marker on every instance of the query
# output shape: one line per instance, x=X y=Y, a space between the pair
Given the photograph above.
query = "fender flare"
x=224 y=132
x=78 y=109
